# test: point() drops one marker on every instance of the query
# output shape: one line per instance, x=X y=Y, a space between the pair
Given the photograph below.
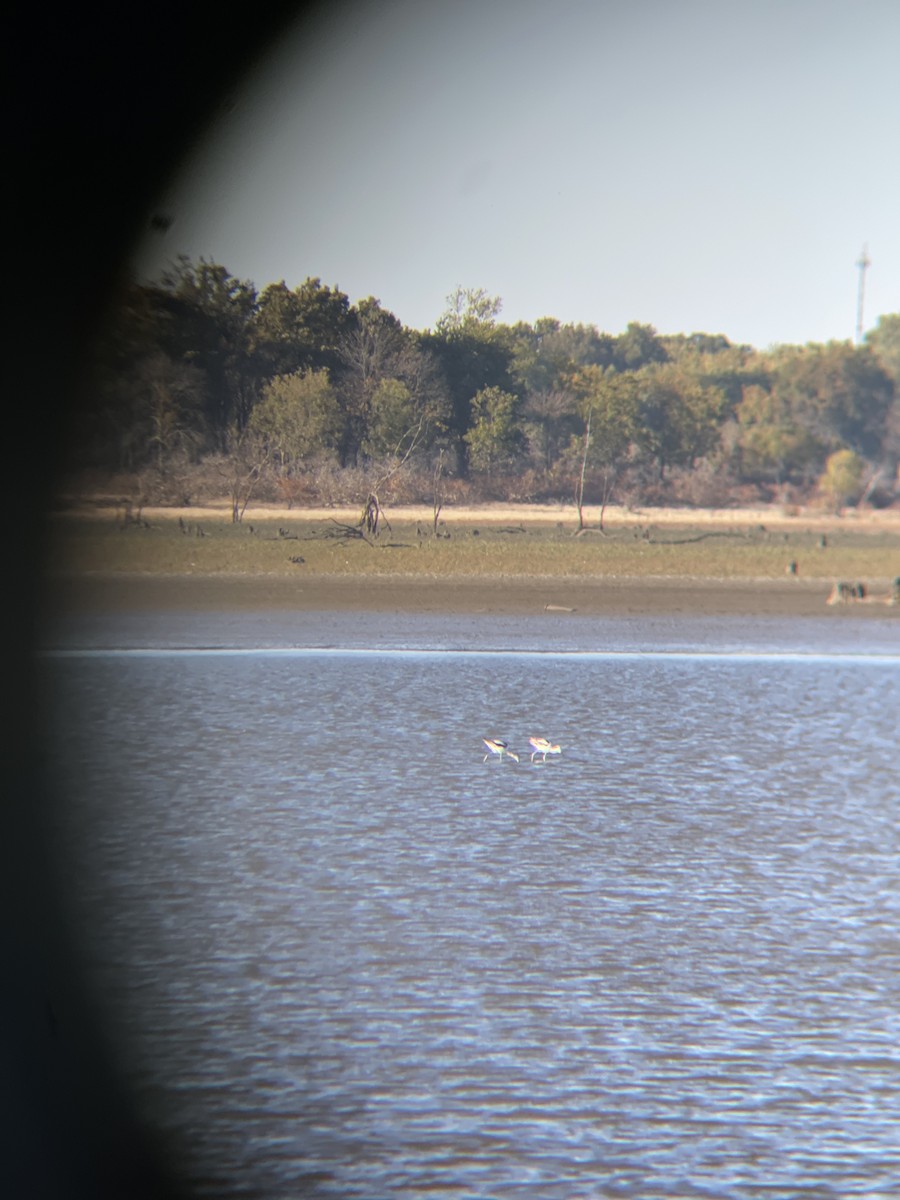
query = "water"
x=338 y=955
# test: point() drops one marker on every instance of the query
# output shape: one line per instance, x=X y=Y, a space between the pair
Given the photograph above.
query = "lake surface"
x=339 y=955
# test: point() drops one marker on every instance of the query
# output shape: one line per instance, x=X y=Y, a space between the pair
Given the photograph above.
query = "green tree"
x=378 y=352
x=549 y=421
x=678 y=417
x=393 y=421
x=210 y=313
x=639 y=346
x=884 y=342
x=297 y=417
x=544 y=358
x=469 y=310
x=544 y=354
x=679 y=345
x=838 y=392
x=841 y=480
x=494 y=439
x=300 y=329
x=607 y=403
x=609 y=400
x=149 y=413
x=149 y=399
x=473 y=353
x=368 y=353
x=710 y=359
x=770 y=442
x=172 y=398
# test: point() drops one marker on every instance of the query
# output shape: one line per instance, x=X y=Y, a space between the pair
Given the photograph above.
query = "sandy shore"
x=773 y=516
x=510 y=596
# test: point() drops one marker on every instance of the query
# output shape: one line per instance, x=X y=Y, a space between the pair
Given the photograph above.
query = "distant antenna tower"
x=863 y=263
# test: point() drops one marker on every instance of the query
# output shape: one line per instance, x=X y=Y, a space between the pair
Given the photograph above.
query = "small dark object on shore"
x=844 y=593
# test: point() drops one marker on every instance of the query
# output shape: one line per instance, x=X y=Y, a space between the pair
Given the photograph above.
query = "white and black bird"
x=543 y=747
x=495 y=746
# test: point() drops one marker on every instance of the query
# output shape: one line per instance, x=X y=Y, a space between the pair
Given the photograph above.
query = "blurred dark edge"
x=103 y=103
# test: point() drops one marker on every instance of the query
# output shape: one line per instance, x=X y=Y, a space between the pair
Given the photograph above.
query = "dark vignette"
x=102 y=104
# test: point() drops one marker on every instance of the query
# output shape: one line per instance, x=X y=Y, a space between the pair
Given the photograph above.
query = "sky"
x=696 y=165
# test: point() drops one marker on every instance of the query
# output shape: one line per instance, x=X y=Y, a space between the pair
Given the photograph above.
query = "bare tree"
x=373 y=514
x=437 y=491
x=243 y=467
x=579 y=491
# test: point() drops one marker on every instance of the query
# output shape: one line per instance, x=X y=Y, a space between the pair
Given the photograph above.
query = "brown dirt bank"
x=508 y=596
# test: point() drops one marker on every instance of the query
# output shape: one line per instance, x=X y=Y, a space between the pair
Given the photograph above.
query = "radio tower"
x=863 y=263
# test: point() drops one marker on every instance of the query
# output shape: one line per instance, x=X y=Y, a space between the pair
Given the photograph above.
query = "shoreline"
x=239 y=573
x=780 y=516
x=454 y=596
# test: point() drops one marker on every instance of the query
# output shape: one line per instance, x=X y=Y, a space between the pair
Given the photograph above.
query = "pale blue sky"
x=693 y=164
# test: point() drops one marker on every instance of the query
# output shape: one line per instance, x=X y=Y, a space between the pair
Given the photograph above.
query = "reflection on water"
x=342 y=957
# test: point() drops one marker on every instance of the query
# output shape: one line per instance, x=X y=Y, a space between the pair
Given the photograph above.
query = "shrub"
x=840 y=482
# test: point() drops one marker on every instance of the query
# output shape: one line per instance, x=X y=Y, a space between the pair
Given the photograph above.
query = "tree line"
x=277 y=389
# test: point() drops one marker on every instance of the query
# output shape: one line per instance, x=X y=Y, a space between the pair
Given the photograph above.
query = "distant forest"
x=204 y=387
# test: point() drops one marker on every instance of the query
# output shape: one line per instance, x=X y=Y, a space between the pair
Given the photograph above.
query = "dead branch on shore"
x=349 y=532
x=702 y=537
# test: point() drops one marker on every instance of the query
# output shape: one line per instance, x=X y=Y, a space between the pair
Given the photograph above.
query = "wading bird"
x=542 y=746
x=497 y=747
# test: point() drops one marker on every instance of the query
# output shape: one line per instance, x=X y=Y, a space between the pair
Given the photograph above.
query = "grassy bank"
x=502 y=543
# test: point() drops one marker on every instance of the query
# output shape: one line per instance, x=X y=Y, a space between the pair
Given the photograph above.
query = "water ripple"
x=340 y=956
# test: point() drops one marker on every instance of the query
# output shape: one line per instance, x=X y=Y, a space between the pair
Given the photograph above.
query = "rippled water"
x=341 y=956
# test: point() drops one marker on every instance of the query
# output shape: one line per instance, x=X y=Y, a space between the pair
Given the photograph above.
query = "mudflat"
x=497 y=560
x=515 y=596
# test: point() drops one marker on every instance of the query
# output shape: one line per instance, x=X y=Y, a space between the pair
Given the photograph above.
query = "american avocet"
x=497 y=747
x=542 y=746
